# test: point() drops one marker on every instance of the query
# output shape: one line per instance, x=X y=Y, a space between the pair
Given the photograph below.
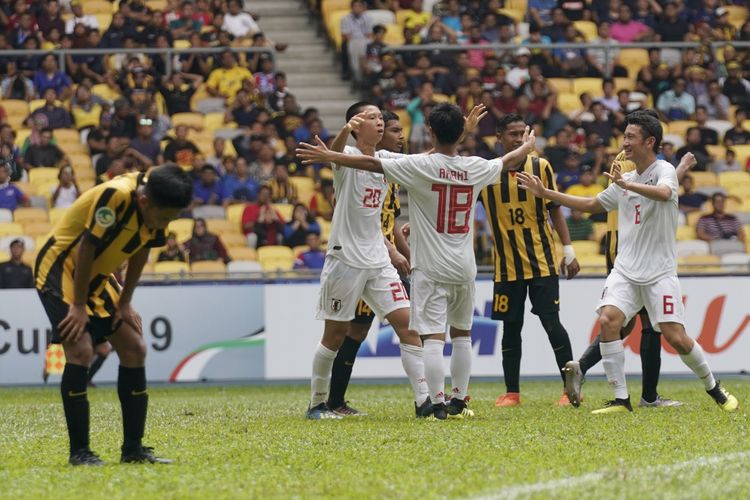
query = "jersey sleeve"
x=105 y=212
x=382 y=153
x=549 y=181
x=668 y=177
x=608 y=198
x=400 y=171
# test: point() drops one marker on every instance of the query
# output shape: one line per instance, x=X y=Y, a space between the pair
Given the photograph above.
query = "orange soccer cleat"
x=508 y=399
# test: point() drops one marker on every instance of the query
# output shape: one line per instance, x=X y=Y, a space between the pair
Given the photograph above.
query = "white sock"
x=412 y=357
x=613 y=360
x=434 y=370
x=321 y=374
x=696 y=361
x=461 y=367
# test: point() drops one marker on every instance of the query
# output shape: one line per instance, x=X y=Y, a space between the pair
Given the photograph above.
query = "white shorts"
x=341 y=286
x=437 y=305
x=662 y=300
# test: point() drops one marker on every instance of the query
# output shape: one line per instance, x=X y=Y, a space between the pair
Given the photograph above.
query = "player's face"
x=371 y=130
x=634 y=142
x=393 y=137
x=512 y=137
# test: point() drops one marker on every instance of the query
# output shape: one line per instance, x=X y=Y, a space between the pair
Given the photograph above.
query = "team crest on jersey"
x=335 y=305
x=104 y=216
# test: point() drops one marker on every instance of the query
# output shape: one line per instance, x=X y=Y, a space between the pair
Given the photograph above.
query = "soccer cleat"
x=437 y=412
x=85 y=457
x=616 y=405
x=321 y=412
x=509 y=399
x=573 y=382
x=564 y=400
x=726 y=401
x=141 y=455
x=458 y=408
x=347 y=411
x=424 y=409
x=659 y=402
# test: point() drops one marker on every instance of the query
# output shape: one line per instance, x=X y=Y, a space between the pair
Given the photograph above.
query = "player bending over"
x=116 y=221
x=645 y=272
x=443 y=188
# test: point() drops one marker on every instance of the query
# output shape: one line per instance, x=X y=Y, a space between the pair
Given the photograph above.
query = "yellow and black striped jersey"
x=391 y=212
x=610 y=241
x=524 y=245
x=285 y=192
x=106 y=215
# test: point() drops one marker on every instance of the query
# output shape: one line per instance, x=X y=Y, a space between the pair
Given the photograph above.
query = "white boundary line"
x=591 y=477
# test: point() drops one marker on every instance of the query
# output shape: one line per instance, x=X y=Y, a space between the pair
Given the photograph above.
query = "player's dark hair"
x=650 y=126
x=389 y=115
x=447 y=123
x=169 y=186
x=506 y=120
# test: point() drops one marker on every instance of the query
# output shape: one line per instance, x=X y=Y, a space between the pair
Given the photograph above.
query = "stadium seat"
x=381 y=16
x=40 y=175
x=560 y=85
x=734 y=179
x=285 y=209
x=394 y=35
x=686 y=233
x=10 y=228
x=244 y=266
x=736 y=262
x=242 y=253
x=5 y=215
x=516 y=15
x=209 y=212
x=209 y=266
x=105 y=92
x=300 y=249
x=213 y=121
x=583 y=247
x=37 y=228
x=66 y=135
x=183 y=228
x=6 y=240
x=587 y=28
x=692 y=247
x=490 y=141
x=234 y=214
x=633 y=60
x=233 y=239
x=680 y=127
x=333 y=26
x=305 y=187
x=29 y=214
x=325 y=228
x=221 y=226
x=4 y=256
x=276 y=257
x=743 y=153
x=156 y=4
x=171 y=267
x=622 y=83
x=737 y=13
x=568 y=102
x=194 y=120
x=721 y=247
x=691 y=264
x=329 y=6
x=704 y=179
x=16 y=111
x=600 y=230
x=592 y=264
x=720 y=126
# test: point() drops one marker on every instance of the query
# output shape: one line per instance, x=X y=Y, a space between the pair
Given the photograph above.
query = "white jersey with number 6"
x=646 y=241
x=356 y=237
x=443 y=191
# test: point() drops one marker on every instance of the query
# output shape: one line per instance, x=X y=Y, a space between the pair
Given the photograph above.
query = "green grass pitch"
x=253 y=442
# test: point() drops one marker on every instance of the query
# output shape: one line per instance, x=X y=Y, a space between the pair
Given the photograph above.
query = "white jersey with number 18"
x=443 y=191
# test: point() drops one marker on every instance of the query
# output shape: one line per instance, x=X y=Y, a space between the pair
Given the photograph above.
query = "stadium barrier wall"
x=267 y=331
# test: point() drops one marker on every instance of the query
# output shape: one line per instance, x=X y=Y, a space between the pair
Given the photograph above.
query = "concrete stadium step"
x=272 y=7
x=292 y=37
x=285 y=22
x=328 y=80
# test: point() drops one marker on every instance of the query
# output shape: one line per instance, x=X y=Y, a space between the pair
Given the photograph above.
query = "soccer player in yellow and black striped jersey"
x=393 y=140
x=109 y=224
x=525 y=258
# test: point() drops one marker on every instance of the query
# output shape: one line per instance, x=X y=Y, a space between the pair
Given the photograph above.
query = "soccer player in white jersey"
x=645 y=272
x=358 y=265
x=443 y=188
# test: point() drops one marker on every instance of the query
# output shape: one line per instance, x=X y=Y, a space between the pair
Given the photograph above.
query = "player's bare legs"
x=460 y=373
x=78 y=354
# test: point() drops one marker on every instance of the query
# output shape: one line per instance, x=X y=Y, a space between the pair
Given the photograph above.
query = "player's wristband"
x=569 y=253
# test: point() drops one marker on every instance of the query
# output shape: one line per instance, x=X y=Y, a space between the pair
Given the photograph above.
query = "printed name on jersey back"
x=454 y=175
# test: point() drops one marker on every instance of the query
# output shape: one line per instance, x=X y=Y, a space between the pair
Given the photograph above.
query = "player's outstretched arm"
x=353 y=126
x=687 y=162
x=660 y=192
x=515 y=156
x=319 y=153
x=533 y=185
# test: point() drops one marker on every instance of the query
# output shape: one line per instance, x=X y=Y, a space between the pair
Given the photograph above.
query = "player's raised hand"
x=475 y=116
x=529 y=139
x=74 y=324
x=616 y=175
x=530 y=183
x=313 y=153
x=687 y=162
x=356 y=121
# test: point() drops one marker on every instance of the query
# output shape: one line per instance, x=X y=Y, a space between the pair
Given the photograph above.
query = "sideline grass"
x=251 y=442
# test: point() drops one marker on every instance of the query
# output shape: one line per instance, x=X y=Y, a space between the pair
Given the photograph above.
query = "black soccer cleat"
x=423 y=410
x=85 y=457
x=141 y=455
x=616 y=405
x=723 y=398
x=457 y=408
x=437 y=412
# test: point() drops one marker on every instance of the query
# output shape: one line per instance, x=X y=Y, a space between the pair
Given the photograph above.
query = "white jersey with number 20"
x=443 y=191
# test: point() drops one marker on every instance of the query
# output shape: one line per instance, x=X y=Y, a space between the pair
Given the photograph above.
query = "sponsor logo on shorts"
x=335 y=305
x=557 y=301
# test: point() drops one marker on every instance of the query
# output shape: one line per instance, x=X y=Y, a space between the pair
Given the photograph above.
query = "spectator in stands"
x=219 y=153
x=728 y=164
x=86 y=110
x=244 y=112
x=568 y=175
x=14 y=273
x=719 y=225
x=57 y=116
x=97 y=138
x=672 y=27
x=178 y=89
x=180 y=149
x=80 y=18
x=204 y=245
x=262 y=224
x=586 y=186
x=227 y=80
x=599 y=64
x=208 y=188
x=113 y=150
x=238 y=22
x=25 y=30
x=694 y=145
x=239 y=185
x=519 y=74
x=734 y=86
x=45 y=154
x=174 y=252
x=10 y=196
x=282 y=190
x=557 y=153
x=708 y=135
x=15 y=85
x=154 y=27
x=187 y=24
x=372 y=61
x=541 y=11
x=67 y=190
x=690 y=200
x=580 y=228
x=716 y=103
x=289 y=118
x=322 y=202
x=145 y=144
x=311 y=126
x=314 y=257
x=676 y=104
x=248 y=144
x=571 y=61
x=555 y=29
x=51 y=18
x=400 y=94
x=301 y=225
x=356 y=29
x=10 y=153
x=627 y=30
x=602 y=124
x=668 y=153
x=262 y=169
x=124 y=122
x=118 y=30
x=737 y=135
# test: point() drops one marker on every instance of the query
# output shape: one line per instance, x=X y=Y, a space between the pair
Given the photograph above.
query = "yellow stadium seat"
x=205 y=145
x=12 y=229
x=568 y=102
x=55 y=214
x=30 y=214
x=699 y=264
x=212 y=121
x=305 y=187
x=40 y=175
x=622 y=83
x=587 y=28
x=285 y=209
x=491 y=141
x=234 y=214
x=29 y=257
x=194 y=120
x=25 y=187
x=104 y=20
x=171 y=267
x=242 y=253
x=741 y=191
x=600 y=229
x=221 y=226
x=208 y=266
x=4 y=256
x=743 y=153
x=67 y=135
x=583 y=247
x=704 y=179
x=591 y=85
x=716 y=151
x=734 y=179
x=105 y=92
x=276 y=257
x=21 y=135
x=329 y=6
x=233 y=239
x=516 y=15
x=183 y=228
x=182 y=44
x=737 y=13
x=156 y=4
x=80 y=161
x=98 y=7
x=325 y=228
x=592 y=264
x=300 y=249
x=633 y=60
x=394 y=35
x=35 y=104
x=680 y=127
x=16 y=110
x=560 y=85
x=46 y=188
x=333 y=25
x=686 y=233
x=37 y=228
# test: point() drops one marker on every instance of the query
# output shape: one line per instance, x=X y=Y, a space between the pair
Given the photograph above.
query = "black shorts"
x=363 y=315
x=510 y=297
x=57 y=309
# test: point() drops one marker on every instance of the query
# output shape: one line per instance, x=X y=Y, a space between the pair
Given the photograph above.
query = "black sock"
x=558 y=339
x=341 y=372
x=512 y=354
x=76 y=405
x=95 y=365
x=650 y=362
x=131 y=388
x=591 y=356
